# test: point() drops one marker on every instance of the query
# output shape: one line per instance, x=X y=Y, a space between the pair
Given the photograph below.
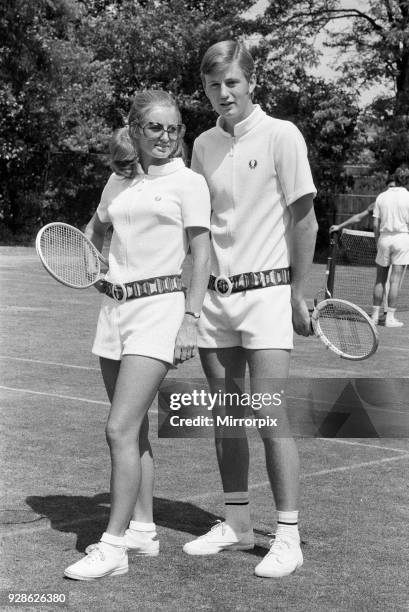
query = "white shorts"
x=254 y=319
x=144 y=326
x=393 y=248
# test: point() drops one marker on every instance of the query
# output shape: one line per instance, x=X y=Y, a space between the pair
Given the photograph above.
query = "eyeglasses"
x=156 y=130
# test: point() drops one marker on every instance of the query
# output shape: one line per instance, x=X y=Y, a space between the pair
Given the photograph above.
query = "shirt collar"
x=170 y=167
x=246 y=125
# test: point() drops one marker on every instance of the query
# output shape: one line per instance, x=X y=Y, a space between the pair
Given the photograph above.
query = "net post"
x=330 y=271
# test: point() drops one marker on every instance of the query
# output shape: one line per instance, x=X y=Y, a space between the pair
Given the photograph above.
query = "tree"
x=373 y=42
x=373 y=45
x=71 y=67
x=52 y=98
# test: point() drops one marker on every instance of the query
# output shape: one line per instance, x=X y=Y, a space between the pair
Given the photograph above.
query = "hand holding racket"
x=345 y=329
x=68 y=255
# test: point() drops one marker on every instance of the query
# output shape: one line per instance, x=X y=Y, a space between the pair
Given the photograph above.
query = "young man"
x=391 y=228
x=263 y=221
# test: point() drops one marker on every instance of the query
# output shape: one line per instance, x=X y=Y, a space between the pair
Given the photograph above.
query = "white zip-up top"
x=253 y=177
x=149 y=214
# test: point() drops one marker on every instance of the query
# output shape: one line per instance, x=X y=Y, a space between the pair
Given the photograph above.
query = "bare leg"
x=394 y=285
x=225 y=370
x=380 y=282
x=143 y=510
x=268 y=374
x=137 y=381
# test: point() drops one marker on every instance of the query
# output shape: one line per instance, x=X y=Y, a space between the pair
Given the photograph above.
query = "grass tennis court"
x=55 y=477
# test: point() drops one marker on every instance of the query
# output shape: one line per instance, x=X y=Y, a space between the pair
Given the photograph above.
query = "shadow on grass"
x=88 y=516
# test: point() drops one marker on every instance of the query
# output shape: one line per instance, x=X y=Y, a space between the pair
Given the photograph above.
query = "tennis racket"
x=345 y=329
x=68 y=255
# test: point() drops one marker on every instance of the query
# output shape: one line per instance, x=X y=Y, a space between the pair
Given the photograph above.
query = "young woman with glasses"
x=157 y=208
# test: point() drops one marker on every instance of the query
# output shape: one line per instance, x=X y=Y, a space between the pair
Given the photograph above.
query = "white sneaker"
x=220 y=537
x=283 y=558
x=100 y=561
x=393 y=323
x=142 y=542
x=375 y=320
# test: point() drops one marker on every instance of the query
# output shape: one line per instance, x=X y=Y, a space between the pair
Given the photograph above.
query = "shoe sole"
x=281 y=575
x=214 y=552
x=118 y=572
x=139 y=553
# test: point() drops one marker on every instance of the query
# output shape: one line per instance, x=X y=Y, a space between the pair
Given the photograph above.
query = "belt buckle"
x=119 y=293
x=223 y=285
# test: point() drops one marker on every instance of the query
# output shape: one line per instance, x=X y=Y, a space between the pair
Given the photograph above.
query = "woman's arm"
x=95 y=231
x=186 y=340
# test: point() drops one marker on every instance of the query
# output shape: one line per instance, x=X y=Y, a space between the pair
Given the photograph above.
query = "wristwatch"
x=195 y=315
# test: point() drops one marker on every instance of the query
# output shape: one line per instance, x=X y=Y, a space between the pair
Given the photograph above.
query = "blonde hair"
x=123 y=157
x=220 y=55
x=142 y=103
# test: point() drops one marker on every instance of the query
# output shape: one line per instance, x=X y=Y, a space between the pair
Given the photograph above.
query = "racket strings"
x=347 y=330
x=69 y=256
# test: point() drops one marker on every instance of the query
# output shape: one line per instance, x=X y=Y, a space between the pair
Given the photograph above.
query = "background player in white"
x=263 y=221
x=368 y=212
x=391 y=228
x=155 y=214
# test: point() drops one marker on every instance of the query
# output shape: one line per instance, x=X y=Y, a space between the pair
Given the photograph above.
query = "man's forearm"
x=302 y=245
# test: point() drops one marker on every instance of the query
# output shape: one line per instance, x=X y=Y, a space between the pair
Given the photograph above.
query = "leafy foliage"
x=69 y=69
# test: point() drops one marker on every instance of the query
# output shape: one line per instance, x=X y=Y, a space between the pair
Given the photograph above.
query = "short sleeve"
x=196 y=164
x=106 y=199
x=195 y=201
x=375 y=213
x=292 y=165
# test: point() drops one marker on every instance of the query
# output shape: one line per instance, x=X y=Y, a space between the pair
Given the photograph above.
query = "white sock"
x=390 y=313
x=145 y=527
x=237 y=510
x=375 y=312
x=113 y=541
x=287 y=523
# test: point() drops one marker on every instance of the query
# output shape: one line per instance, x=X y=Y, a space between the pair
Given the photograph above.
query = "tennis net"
x=352 y=273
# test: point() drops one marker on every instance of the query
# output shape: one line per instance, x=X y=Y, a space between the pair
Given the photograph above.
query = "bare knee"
x=118 y=435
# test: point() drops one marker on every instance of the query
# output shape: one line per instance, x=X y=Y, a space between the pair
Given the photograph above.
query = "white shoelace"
x=95 y=554
x=277 y=545
x=219 y=524
x=92 y=547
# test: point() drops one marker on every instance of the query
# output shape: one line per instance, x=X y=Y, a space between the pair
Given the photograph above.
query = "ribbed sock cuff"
x=239 y=498
x=108 y=538
x=139 y=526
x=289 y=517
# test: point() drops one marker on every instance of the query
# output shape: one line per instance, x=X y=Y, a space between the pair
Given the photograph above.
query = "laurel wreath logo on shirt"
x=252 y=164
